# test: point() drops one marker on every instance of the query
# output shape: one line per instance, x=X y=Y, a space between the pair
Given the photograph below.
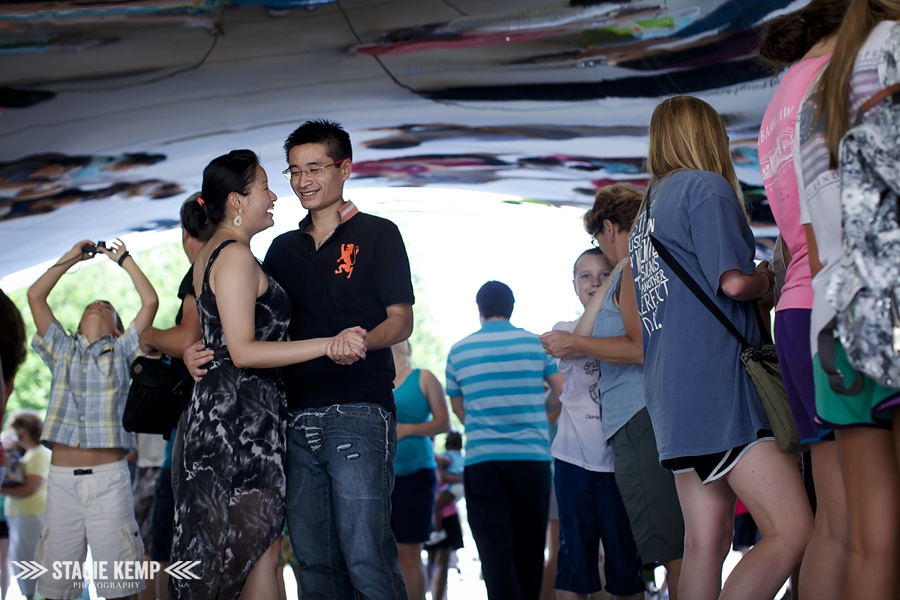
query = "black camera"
x=92 y=249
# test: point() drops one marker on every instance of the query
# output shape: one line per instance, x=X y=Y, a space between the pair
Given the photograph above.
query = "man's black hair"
x=495 y=299
x=321 y=131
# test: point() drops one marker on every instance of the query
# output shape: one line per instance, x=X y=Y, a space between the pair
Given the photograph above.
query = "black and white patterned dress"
x=230 y=495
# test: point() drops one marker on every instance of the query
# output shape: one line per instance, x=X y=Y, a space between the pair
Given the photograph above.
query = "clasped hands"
x=345 y=348
x=348 y=346
x=557 y=343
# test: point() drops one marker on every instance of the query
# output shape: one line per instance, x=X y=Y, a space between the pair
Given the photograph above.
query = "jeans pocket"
x=293 y=419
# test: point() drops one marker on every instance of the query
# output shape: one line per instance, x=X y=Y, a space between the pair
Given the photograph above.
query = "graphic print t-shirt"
x=580 y=440
x=776 y=160
x=698 y=394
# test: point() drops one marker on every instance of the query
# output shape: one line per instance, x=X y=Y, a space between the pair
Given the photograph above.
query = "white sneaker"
x=437 y=537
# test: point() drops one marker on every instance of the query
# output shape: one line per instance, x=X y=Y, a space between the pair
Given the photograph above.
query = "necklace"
x=324 y=239
x=327 y=235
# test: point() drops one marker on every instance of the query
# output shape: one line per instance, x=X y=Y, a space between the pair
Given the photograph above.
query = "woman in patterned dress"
x=230 y=497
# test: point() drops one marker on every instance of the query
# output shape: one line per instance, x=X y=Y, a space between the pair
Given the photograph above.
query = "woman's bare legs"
x=412 y=569
x=439 y=579
x=769 y=483
x=673 y=575
x=869 y=466
x=708 y=528
x=263 y=580
x=822 y=572
x=282 y=590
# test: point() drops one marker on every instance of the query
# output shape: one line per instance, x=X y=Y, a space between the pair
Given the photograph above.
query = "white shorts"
x=88 y=506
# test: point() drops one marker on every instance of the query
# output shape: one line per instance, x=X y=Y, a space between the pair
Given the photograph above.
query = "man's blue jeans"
x=340 y=472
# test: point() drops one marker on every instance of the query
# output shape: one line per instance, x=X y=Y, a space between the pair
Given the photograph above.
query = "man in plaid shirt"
x=89 y=499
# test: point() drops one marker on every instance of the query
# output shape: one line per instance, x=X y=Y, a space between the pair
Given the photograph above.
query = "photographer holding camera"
x=89 y=488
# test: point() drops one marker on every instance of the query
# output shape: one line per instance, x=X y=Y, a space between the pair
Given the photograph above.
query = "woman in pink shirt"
x=808 y=35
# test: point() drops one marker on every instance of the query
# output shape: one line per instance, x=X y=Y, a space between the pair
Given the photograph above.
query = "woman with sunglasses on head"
x=710 y=426
x=230 y=492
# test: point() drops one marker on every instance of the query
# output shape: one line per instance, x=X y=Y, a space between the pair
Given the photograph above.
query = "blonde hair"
x=687 y=133
x=834 y=86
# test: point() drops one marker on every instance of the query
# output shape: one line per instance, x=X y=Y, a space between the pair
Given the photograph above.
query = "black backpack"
x=160 y=389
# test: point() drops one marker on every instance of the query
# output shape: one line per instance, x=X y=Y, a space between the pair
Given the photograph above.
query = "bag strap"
x=876 y=98
x=702 y=296
x=828 y=360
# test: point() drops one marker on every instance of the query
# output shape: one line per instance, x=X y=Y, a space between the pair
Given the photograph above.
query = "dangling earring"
x=238 y=220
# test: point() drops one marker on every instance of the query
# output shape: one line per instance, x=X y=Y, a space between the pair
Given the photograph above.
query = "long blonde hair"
x=687 y=133
x=834 y=86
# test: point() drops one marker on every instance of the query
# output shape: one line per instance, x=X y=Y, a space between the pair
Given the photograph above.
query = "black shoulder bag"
x=160 y=390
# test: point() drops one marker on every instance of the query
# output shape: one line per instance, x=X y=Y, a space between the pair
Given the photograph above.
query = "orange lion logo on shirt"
x=347 y=259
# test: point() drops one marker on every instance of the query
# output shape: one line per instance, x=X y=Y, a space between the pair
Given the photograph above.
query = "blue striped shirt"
x=499 y=371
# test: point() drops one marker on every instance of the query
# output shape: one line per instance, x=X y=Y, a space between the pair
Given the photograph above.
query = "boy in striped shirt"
x=496 y=382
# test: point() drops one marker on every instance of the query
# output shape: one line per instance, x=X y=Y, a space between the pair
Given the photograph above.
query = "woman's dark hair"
x=233 y=172
x=786 y=39
x=12 y=338
x=191 y=214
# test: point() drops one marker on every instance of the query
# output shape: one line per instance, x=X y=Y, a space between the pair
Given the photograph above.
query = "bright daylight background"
x=456 y=241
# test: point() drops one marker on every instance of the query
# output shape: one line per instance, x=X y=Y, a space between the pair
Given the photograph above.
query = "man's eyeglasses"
x=313 y=172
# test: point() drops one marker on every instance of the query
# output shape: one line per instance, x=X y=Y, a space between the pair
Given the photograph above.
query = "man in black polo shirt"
x=343 y=270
